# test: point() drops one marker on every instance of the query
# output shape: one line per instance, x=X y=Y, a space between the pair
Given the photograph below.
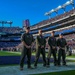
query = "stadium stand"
x=53 y=20
x=64 y=23
x=10 y=37
x=10 y=30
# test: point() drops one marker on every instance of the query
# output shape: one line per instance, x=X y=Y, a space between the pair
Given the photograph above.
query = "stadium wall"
x=8 y=60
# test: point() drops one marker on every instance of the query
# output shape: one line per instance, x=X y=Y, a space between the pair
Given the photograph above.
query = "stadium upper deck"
x=64 y=21
x=58 y=18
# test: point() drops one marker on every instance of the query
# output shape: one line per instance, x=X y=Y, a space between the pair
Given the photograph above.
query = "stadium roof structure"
x=70 y=2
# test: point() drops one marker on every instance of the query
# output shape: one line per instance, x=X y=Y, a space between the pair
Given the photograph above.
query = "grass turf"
x=72 y=56
x=7 y=53
x=70 y=72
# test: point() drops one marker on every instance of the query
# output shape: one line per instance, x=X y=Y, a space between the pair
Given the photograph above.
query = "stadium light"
x=67 y=3
x=10 y=22
x=6 y=22
x=56 y=13
x=56 y=10
x=59 y=7
x=52 y=11
x=48 y=14
x=70 y=2
x=64 y=7
x=3 y=23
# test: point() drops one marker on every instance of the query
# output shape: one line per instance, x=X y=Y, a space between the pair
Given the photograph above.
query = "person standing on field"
x=61 y=42
x=53 y=49
x=27 y=40
x=40 y=48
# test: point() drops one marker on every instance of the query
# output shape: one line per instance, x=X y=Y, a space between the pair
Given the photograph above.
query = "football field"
x=40 y=70
x=10 y=53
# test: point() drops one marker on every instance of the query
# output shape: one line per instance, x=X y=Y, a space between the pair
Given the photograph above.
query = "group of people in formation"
x=27 y=42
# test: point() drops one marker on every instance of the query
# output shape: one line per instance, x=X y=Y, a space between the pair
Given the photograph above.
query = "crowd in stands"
x=68 y=29
x=16 y=46
x=70 y=40
x=9 y=46
x=64 y=30
x=10 y=30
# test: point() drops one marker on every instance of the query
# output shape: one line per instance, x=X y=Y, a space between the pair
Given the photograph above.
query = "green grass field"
x=9 y=53
x=6 y=53
x=73 y=56
x=70 y=72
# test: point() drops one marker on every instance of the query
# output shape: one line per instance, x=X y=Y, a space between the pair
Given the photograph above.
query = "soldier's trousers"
x=25 y=52
x=61 y=53
x=52 y=52
x=42 y=51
